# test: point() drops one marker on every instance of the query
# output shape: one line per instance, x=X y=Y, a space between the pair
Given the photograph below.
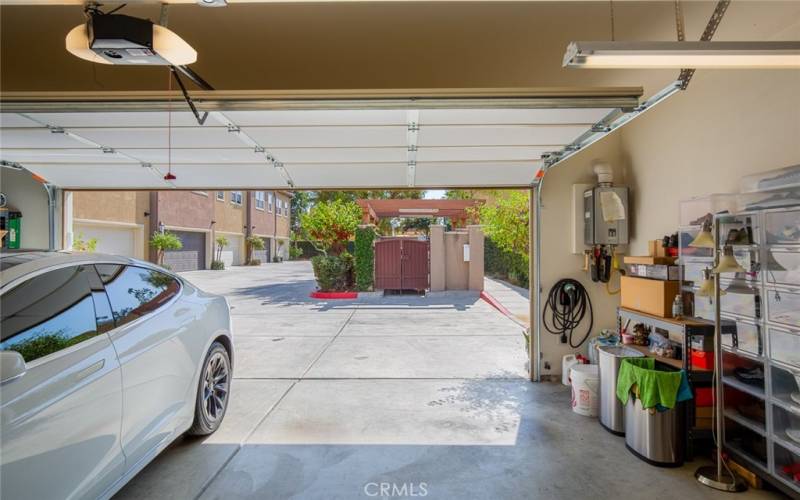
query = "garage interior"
x=424 y=95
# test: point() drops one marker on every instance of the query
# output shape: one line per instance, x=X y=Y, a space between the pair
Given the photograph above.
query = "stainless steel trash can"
x=656 y=437
x=612 y=414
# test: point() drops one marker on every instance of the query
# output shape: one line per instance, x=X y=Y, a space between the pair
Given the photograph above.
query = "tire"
x=212 y=399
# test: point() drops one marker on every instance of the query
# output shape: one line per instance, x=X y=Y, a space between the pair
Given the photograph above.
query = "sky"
x=434 y=194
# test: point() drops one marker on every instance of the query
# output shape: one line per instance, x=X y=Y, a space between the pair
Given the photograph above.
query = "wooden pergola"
x=457 y=211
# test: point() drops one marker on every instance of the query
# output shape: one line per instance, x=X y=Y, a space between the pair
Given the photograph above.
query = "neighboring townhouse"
x=230 y=221
x=268 y=218
x=122 y=222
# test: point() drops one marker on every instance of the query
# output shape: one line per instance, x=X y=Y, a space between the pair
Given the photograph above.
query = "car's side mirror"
x=12 y=365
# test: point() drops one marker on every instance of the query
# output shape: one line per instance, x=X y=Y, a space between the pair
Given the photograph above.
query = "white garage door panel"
x=338 y=175
x=318 y=117
x=62 y=156
x=112 y=240
x=473 y=174
x=510 y=116
x=89 y=176
x=157 y=137
x=217 y=176
x=341 y=155
x=480 y=153
x=232 y=254
x=117 y=119
x=328 y=137
x=498 y=135
x=36 y=138
x=16 y=120
x=196 y=155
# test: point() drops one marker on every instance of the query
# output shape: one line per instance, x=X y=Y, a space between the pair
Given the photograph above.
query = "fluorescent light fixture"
x=653 y=55
x=418 y=210
x=212 y=3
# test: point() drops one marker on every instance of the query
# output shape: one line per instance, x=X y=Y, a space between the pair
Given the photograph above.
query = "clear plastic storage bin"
x=783 y=306
x=784 y=346
x=787 y=463
x=782 y=227
x=786 y=386
x=693 y=209
x=739 y=300
x=777 y=179
x=745 y=336
x=782 y=266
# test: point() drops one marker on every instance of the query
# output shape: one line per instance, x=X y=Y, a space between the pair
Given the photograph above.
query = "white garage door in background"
x=232 y=254
x=111 y=240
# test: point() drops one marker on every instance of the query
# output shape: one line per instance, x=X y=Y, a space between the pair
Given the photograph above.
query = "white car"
x=104 y=361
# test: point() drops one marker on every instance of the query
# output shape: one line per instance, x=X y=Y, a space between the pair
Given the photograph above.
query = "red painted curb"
x=333 y=295
x=495 y=303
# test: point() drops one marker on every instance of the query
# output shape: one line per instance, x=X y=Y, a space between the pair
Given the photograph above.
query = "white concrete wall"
x=28 y=196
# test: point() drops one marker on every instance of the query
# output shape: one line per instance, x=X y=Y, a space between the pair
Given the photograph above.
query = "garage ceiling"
x=496 y=139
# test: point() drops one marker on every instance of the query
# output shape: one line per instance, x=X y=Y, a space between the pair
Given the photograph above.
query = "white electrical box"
x=466 y=252
x=578 y=245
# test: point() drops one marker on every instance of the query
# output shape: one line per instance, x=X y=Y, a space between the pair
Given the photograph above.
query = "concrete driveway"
x=389 y=398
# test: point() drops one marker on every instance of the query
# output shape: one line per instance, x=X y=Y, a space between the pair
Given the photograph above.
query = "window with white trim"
x=236 y=197
x=270 y=198
x=220 y=195
x=260 y=202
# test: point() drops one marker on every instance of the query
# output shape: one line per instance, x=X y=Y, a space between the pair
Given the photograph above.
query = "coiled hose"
x=565 y=308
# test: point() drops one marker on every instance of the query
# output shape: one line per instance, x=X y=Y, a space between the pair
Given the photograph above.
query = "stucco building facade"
x=121 y=223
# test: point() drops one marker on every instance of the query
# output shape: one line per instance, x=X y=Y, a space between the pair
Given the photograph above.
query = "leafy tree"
x=253 y=243
x=506 y=221
x=421 y=224
x=300 y=203
x=221 y=242
x=81 y=245
x=459 y=194
x=331 y=224
x=162 y=242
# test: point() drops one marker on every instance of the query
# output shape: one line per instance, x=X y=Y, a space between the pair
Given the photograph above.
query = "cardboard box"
x=648 y=259
x=655 y=248
x=649 y=296
x=656 y=272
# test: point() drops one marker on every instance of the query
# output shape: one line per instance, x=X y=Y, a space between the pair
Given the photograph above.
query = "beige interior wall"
x=26 y=195
x=704 y=140
x=557 y=260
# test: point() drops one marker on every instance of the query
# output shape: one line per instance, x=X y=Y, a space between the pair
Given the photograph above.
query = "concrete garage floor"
x=423 y=397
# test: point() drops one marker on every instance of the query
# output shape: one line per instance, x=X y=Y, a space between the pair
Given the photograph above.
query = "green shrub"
x=500 y=263
x=253 y=243
x=365 y=258
x=331 y=224
x=162 y=242
x=217 y=265
x=334 y=273
x=80 y=245
x=295 y=252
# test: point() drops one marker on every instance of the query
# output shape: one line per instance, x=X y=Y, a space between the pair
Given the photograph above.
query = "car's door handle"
x=90 y=369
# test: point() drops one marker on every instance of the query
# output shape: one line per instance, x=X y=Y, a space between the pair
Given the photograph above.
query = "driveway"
x=389 y=397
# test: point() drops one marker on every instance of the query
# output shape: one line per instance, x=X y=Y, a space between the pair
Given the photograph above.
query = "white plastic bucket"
x=567 y=362
x=585 y=383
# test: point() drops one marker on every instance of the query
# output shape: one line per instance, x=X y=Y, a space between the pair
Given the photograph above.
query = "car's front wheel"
x=213 y=391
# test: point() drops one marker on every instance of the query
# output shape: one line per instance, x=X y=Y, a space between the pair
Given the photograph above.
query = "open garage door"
x=340 y=140
x=193 y=254
x=263 y=255
x=110 y=239
x=232 y=254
